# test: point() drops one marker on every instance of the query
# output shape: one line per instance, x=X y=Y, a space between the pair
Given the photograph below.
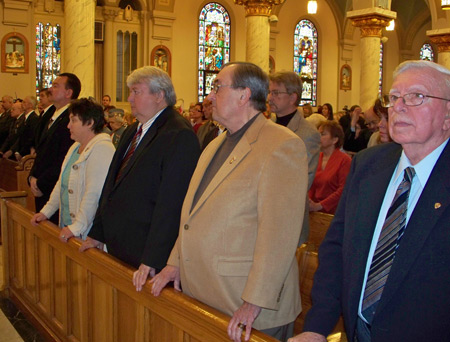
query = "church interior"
x=345 y=52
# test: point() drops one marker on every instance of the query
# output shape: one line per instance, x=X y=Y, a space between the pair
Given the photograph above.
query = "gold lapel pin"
x=232 y=160
x=437 y=205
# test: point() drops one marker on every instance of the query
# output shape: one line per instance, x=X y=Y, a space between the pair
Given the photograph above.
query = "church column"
x=371 y=22
x=441 y=38
x=109 y=14
x=79 y=18
x=257 y=13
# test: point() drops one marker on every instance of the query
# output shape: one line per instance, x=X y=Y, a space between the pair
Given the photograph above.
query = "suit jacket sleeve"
x=178 y=166
x=50 y=175
x=279 y=224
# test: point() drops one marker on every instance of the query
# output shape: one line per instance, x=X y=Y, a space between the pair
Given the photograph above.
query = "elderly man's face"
x=425 y=126
x=16 y=109
x=144 y=105
x=6 y=104
x=281 y=103
x=224 y=103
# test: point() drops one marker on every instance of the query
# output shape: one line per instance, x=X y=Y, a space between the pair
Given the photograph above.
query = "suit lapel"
x=294 y=123
x=423 y=220
x=238 y=154
x=146 y=140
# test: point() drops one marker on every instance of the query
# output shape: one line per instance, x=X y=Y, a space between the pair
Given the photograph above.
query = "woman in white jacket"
x=83 y=172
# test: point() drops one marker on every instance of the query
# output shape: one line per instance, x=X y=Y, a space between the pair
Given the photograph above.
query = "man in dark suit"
x=5 y=118
x=139 y=210
x=14 y=129
x=53 y=140
x=385 y=261
x=26 y=137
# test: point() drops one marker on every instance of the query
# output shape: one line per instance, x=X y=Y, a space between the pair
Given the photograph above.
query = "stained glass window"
x=126 y=62
x=213 y=45
x=305 y=59
x=48 y=55
x=426 y=52
x=380 y=72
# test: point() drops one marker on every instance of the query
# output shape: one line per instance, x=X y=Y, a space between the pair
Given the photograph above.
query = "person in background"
x=332 y=170
x=106 y=101
x=327 y=111
x=196 y=116
x=83 y=172
x=307 y=110
x=117 y=124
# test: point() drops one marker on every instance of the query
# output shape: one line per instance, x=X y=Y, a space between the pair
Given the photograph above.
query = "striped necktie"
x=130 y=152
x=391 y=233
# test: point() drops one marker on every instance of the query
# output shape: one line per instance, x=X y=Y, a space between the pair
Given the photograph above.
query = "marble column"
x=257 y=14
x=109 y=14
x=79 y=19
x=371 y=23
x=441 y=38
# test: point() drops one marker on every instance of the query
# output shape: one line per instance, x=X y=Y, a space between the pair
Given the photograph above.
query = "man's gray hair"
x=421 y=64
x=291 y=81
x=249 y=75
x=33 y=100
x=156 y=80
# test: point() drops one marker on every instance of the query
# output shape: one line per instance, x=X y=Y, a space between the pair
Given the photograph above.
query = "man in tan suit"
x=243 y=213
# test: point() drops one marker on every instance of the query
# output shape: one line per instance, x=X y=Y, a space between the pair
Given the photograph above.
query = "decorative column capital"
x=442 y=41
x=258 y=7
x=110 y=13
x=371 y=25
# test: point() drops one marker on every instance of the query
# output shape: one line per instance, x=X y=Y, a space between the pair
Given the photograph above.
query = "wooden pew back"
x=89 y=296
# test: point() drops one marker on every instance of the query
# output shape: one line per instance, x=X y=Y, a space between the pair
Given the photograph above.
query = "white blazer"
x=86 y=181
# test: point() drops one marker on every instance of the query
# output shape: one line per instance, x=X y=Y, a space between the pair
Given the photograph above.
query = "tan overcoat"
x=238 y=242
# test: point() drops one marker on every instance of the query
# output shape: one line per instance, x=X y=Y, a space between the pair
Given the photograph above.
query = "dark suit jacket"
x=139 y=215
x=6 y=121
x=416 y=299
x=14 y=130
x=26 y=137
x=51 y=147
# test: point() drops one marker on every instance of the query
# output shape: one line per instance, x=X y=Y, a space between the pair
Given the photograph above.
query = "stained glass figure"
x=427 y=52
x=48 y=55
x=213 y=45
x=305 y=59
x=380 y=72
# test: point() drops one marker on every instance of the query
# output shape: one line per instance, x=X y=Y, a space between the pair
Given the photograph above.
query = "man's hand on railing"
x=308 y=337
x=34 y=188
x=243 y=319
x=168 y=273
x=141 y=275
x=90 y=243
x=37 y=218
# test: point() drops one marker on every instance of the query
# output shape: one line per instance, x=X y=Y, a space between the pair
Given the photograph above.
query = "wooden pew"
x=308 y=261
x=73 y=296
x=14 y=177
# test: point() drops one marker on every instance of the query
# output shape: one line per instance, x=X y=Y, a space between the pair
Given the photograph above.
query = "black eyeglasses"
x=411 y=99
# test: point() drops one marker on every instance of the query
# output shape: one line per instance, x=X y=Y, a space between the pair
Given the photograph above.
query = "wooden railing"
x=14 y=175
x=89 y=296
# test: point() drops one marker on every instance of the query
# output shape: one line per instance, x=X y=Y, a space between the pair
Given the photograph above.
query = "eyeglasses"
x=411 y=100
x=216 y=87
x=276 y=93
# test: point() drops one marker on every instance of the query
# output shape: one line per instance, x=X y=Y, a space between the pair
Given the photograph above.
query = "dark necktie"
x=130 y=152
x=391 y=233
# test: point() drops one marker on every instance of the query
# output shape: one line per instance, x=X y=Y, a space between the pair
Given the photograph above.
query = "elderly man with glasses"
x=385 y=261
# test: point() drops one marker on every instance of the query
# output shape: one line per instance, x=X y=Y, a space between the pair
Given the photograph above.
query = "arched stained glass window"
x=48 y=55
x=305 y=59
x=213 y=45
x=380 y=72
x=427 y=52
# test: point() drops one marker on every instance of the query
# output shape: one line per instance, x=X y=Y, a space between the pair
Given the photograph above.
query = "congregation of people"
x=216 y=198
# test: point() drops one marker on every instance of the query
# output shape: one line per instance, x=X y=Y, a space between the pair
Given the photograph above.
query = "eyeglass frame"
x=276 y=93
x=418 y=96
x=216 y=87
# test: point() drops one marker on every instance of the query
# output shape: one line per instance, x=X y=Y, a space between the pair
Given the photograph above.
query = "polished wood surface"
x=89 y=296
x=318 y=227
x=14 y=176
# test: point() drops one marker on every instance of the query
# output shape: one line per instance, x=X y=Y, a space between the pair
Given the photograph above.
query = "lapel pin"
x=232 y=160
x=437 y=205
